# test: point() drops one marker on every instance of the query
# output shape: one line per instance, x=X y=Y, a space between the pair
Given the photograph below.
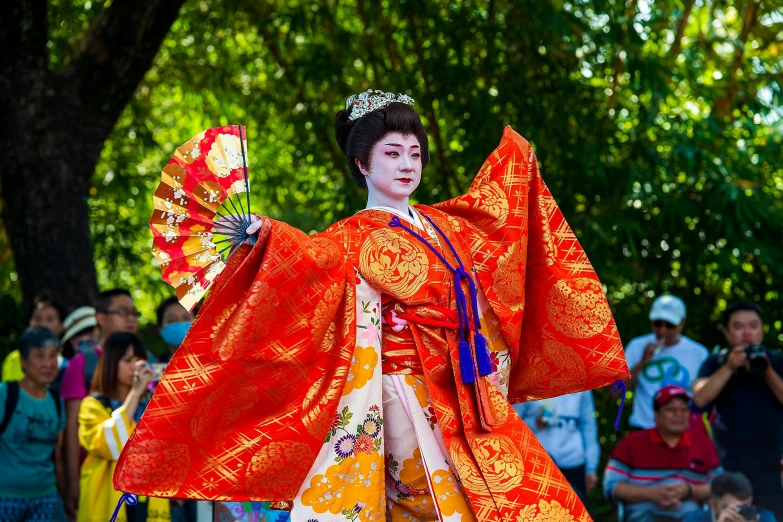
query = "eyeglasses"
x=664 y=324
x=124 y=312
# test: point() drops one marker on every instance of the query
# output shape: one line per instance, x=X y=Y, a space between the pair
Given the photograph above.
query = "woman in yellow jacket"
x=106 y=419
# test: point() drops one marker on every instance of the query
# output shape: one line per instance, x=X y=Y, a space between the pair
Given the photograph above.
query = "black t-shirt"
x=748 y=428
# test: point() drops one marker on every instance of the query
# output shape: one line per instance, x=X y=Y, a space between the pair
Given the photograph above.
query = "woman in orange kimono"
x=368 y=371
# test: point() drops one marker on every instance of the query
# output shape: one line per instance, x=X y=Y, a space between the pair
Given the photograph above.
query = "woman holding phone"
x=106 y=419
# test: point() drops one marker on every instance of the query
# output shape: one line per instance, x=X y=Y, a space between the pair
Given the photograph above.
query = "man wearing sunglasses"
x=661 y=358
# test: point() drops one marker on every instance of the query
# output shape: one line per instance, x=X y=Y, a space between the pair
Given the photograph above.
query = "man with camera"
x=743 y=383
x=731 y=500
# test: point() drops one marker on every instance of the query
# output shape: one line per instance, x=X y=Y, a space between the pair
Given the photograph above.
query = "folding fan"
x=208 y=172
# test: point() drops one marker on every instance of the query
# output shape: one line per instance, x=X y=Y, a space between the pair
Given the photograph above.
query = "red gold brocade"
x=249 y=397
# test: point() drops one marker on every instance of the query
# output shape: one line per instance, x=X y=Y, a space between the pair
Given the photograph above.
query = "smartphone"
x=157 y=370
x=748 y=511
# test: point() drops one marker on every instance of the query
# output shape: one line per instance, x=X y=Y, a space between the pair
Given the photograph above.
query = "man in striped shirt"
x=663 y=472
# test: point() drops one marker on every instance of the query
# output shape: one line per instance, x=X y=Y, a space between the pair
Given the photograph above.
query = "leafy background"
x=657 y=126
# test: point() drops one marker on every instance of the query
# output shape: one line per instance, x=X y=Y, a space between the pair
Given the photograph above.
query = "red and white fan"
x=208 y=172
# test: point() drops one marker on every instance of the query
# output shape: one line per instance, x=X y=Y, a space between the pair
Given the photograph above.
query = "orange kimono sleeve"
x=246 y=402
x=549 y=304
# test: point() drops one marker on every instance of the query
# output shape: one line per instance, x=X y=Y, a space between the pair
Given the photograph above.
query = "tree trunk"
x=53 y=127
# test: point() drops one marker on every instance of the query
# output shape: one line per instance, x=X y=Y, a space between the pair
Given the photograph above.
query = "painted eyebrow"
x=399 y=145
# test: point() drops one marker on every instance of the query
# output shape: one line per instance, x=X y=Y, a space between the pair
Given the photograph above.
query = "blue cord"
x=130 y=498
x=617 y=386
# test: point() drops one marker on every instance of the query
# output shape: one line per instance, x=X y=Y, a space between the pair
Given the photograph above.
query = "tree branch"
x=682 y=24
x=749 y=21
x=261 y=12
x=23 y=36
x=23 y=64
x=619 y=66
x=115 y=55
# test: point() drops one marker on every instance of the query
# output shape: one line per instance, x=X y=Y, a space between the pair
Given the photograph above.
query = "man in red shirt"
x=662 y=472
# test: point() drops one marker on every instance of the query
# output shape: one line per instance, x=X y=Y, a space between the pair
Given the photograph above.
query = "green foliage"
x=660 y=136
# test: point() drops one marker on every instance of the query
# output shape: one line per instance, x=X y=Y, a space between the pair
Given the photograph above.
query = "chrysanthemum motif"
x=371 y=427
x=364 y=444
x=345 y=446
x=335 y=422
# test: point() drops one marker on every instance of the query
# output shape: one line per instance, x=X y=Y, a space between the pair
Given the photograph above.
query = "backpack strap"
x=57 y=405
x=11 y=400
x=90 y=355
x=104 y=400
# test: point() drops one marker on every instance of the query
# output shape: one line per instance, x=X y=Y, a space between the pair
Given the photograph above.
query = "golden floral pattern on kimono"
x=541 y=308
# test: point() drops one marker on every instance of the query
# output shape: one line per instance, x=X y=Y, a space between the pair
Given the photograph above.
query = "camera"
x=757 y=359
x=748 y=511
x=157 y=371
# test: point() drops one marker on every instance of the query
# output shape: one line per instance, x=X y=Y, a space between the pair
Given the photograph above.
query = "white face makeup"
x=394 y=171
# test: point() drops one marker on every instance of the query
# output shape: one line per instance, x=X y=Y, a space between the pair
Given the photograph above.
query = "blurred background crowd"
x=705 y=440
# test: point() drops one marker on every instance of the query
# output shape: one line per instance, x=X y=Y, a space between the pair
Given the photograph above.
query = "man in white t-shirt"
x=662 y=357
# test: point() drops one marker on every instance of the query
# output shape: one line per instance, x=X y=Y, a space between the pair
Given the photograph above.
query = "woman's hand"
x=143 y=377
x=255 y=224
x=225 y=225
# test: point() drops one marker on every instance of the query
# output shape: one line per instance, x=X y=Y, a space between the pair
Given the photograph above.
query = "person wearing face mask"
x=173 y=324
x=744 y=383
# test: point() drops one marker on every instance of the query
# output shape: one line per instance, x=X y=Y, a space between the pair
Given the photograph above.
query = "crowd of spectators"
x=706 y=444
x=708 y=428
x=71 y=395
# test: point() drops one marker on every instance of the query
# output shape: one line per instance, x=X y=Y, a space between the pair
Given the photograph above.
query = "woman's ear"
x=362 y=167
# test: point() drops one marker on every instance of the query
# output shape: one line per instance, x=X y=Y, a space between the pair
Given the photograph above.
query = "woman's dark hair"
x=357 y=138
x=44 y=301
x=162 y=307
x=116 y=346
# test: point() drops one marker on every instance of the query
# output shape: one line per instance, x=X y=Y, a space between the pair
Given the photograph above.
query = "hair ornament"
x=372 y=100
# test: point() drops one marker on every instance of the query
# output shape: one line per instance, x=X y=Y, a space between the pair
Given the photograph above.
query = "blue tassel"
x=466 y=363
x=482 y=355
